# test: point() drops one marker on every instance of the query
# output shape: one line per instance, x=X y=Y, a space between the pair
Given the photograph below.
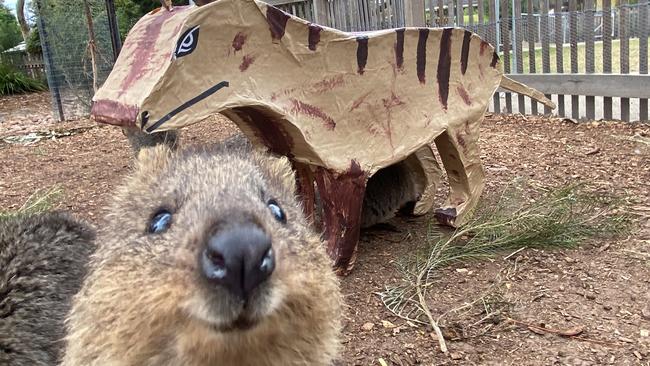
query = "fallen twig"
x=572 y=333
x=513 y=253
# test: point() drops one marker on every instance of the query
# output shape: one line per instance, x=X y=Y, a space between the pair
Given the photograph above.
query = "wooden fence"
x=31 y=65
x=601 y=71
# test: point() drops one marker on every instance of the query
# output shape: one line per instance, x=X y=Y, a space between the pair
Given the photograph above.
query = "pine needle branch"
x=40 y=201
x=561 y=218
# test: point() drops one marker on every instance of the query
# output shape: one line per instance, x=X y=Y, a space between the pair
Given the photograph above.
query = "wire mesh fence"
x=77 y=52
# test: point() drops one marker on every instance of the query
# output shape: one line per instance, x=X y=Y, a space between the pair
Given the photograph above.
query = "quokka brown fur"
x=42 y=264
x=162 y=289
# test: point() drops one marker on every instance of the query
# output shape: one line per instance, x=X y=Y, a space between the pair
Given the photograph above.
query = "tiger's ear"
x=154 y=159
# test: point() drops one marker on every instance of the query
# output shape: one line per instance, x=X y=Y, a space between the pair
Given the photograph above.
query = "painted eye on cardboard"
x=187 y=43
x=160 y=222
x=277 y=212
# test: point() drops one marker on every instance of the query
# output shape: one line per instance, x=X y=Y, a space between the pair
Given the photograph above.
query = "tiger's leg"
x=460 y=157
x=341 y=195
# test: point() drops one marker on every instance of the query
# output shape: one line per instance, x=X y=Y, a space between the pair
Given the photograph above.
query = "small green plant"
x=15 y=82
x=560 y=218
x=40 y=201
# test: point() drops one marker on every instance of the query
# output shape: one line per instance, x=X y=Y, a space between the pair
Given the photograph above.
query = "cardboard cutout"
x=340 y=105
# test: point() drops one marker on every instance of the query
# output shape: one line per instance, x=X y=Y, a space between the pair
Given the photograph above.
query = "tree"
x=20 y=14
x=34 y=43
x=130 y=11
x=9 y=30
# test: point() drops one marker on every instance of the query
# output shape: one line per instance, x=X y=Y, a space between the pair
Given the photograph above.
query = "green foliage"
x=10 y=34
x=15 y=82
x=34 y=42
x=561 y=218
x=130 y=11
x=40 y=201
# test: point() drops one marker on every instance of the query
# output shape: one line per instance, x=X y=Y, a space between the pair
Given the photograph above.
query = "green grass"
x=598 y=57
x=561 y=217
x=15 y=82
x=40 y=201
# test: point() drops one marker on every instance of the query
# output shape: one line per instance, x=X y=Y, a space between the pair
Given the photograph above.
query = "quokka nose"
x=239 y=258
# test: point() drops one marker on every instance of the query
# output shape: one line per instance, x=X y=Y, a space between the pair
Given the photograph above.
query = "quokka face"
x=206 y=256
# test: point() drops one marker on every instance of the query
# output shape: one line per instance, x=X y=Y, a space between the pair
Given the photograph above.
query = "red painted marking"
x=463 y=94
x=391 y=102
x=328 y=84
x=238 y=41
x=312 y=111
x=114 y=113
x=342 y=198
x=359 y=101
x=484 y=46
x=141 y=49
x=282 y=93
x=246 y=61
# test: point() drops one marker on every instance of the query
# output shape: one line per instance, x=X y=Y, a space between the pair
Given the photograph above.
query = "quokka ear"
x=154 y=159
x=277 y=169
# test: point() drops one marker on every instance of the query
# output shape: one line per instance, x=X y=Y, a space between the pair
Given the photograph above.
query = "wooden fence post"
x=320 y=12
x=414 y=13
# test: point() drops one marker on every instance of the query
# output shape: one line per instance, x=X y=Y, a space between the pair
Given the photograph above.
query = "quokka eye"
x=160 y=222
x=277 y=212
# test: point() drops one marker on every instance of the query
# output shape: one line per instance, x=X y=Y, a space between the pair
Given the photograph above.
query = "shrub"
x=13 y=81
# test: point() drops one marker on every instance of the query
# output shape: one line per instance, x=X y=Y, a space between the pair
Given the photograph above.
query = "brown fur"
x=139 y=140
x=387 y=191
x=143 y=302
x=42 y=264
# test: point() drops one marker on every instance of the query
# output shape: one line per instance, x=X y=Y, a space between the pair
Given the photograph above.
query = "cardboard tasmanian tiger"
x=341 y=106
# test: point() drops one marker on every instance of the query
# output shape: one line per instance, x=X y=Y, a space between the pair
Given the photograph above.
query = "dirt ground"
x=602 y=287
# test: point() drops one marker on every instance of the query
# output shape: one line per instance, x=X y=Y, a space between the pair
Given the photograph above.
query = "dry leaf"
x=572 y=332
x=537 y=330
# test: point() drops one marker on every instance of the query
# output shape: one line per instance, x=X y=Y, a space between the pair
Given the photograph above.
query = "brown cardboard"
x=325 y=98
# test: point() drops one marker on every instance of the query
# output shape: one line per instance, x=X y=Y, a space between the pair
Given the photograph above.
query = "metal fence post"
x=113 y=28
x=49 y=62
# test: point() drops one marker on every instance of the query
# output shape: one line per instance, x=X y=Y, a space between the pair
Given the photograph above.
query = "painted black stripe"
x=277 y=20
x=464 y=55
x=314 y=36
x=362 y=53
x=421 y=58
x=495 y=59
x=399 y=48
x=444 y=66
x=187 y=104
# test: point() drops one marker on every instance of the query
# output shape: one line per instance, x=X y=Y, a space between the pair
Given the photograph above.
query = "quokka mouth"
x=240 y=324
